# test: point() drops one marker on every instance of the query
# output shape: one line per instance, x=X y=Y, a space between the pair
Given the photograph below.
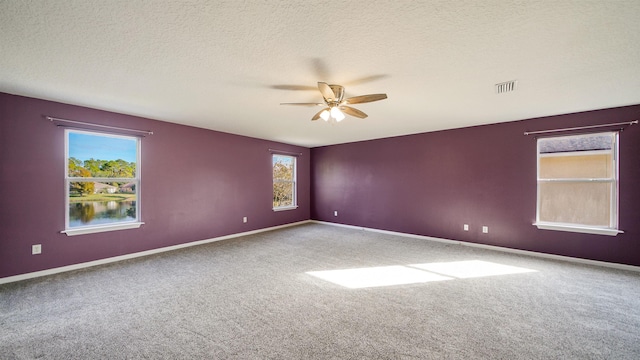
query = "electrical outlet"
x=335 y=213
x=244 y=219
x=36 y=249
x=485 y=229
x=465 y=227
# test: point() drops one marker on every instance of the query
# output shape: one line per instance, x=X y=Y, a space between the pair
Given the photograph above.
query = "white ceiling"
x=226 y=65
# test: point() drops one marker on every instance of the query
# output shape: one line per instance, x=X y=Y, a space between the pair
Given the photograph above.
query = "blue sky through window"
x=84 y=146
x=283 y=159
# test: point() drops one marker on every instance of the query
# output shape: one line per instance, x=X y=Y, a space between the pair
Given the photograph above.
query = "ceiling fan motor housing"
x=338 y=91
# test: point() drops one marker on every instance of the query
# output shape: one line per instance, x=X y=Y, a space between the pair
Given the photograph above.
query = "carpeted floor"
x=266 y=296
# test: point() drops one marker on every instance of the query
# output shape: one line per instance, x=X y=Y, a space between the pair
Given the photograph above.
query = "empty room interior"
x=320 y=180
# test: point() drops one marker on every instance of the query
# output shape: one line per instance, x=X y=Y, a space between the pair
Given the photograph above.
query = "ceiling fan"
x=337 y=106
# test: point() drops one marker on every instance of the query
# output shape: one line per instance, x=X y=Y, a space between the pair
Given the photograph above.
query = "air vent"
x=506 y=86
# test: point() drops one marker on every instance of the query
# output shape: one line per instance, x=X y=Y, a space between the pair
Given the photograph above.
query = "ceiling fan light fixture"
x=337 y=114
x=325 y=115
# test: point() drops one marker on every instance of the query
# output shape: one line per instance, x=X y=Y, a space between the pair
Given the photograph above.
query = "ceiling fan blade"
x=365 y=79
x=353 y=112
x=317 y=116
x=304 y=104
x=293 y=87
x=365 y=98
x=326 y=91
x=320 y=68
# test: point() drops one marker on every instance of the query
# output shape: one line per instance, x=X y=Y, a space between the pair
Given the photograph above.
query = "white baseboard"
x=57 y=270
x=491 y=247
x=53 y=271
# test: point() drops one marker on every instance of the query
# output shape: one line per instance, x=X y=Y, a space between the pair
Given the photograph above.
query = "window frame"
x=610 y=230
x=294 y=182
x=123 y=225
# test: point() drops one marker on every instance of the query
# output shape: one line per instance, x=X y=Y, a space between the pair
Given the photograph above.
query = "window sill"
x=284 y=208
x=578 y=229
x=103 y=228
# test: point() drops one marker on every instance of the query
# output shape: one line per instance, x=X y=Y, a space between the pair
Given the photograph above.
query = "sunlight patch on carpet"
x=415 y=273
x=471 y=269
x=377 y=276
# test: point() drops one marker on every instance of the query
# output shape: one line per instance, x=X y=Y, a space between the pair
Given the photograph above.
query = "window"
x=284 y=182
x=102 y=182
x=578 y=183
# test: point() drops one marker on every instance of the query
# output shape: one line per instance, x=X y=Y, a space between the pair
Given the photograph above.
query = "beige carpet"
x=323 y=292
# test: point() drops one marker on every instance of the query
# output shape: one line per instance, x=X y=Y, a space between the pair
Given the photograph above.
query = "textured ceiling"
x=226 y=65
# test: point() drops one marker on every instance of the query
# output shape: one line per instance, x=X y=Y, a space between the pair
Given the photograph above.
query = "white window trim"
x=284 y=208
x=294 y=182
x=104 y=227
x=578 y=228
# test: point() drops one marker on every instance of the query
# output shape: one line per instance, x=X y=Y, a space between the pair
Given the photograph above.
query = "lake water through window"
x=102 y=182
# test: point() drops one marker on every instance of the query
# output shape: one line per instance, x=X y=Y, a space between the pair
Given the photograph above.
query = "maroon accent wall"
x=432 y=183
x=196 y=184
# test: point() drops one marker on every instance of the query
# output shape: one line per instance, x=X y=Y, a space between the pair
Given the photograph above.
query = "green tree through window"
x=284 y=182
x=103 y=180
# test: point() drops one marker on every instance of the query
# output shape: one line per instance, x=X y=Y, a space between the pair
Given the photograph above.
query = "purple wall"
x=431 y=184
x=196 y=184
